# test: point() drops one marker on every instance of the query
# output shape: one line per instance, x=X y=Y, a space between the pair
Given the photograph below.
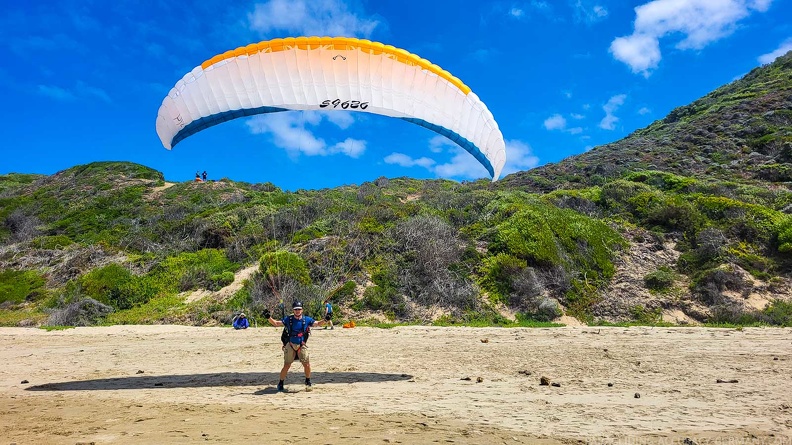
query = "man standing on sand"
x=328 y=313
x=298 y=327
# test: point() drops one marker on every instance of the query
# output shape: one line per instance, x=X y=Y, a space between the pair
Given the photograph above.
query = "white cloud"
x=780 y=51
x=539 y=5
x=481 y=54
x=342 y=119
x=438 y=143
x=699 y=22
x=519 y=157
x=310 y=17
x=79 y=91
x=609 y=121
x=406 y=161
x=641 y=52
x=289 y=131
x=577 y=116
x=351 y=147
x=89 y=91
x=527 y=9
x=558 y=122
x=555 y=122
x=587 y=13
x=644 y=110
x=55 y=92
x=462 y=165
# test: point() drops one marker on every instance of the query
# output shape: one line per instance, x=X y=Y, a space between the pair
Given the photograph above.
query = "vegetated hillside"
x=656 y=239
x=739 y=132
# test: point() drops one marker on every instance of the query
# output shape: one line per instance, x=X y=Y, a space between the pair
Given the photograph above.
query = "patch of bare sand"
x=227 y=291
x=156 y=192
x=176 y=384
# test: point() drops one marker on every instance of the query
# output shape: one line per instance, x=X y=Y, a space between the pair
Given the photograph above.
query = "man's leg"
x=288 y=358
x=284 y=371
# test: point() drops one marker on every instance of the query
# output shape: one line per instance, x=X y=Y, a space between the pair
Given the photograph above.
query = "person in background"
x=241 y=322
x=203 y=176
x=328 y=313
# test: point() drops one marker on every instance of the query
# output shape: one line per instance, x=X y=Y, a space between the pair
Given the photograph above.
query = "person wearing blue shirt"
x=241 y=322
x=328 y=313
x=298 y=326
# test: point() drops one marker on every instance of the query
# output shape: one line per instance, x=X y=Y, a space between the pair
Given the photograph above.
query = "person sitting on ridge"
x=203 y=176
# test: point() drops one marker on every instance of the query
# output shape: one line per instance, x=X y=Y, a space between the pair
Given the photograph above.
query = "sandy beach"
x=177 y=384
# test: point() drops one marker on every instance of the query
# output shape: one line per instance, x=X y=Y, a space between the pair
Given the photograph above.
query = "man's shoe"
x=308 y=385
x=280 y=387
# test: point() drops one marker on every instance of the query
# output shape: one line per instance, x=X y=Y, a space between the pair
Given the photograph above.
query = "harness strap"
x=304 y=331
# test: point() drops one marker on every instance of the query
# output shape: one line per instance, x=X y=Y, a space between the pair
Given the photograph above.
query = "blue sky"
x=82 y=81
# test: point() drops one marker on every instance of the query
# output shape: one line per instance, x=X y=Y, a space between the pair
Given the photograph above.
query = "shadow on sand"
x=211 y=380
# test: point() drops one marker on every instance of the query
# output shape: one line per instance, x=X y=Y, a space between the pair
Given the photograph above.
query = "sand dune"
x=176 y=384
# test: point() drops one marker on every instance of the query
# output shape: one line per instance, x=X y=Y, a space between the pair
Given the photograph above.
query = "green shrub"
x=662 y=180
x=343 y=293
x=783 y=229
x=116 y=286
x=616 y=196
x=385 y=299
x=497 y=272
x=673 y=213
x=775 y=172
x=221 y=280
x=735 y=314
x=643 y=315
x=571 y=249
x=779 y=313
x=547 y=310
x=711 y=283
x=748 y=222
x=53 y=242
x=282 y=264
x=661 y=279
x=191 y=270
x=17 y=286
x=316 y=230
x=82 y=312
x=370 y=225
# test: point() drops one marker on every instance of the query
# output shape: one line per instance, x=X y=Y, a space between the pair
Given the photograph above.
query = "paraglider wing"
x=331 y=73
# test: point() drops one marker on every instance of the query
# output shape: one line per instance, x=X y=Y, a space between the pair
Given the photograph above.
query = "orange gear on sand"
x=351 y=324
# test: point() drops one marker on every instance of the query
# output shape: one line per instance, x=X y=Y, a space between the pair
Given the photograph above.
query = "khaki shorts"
x=289 y=353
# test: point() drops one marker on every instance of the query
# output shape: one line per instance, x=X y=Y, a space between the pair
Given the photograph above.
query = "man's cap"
x=297 y=305
x=242 y=314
